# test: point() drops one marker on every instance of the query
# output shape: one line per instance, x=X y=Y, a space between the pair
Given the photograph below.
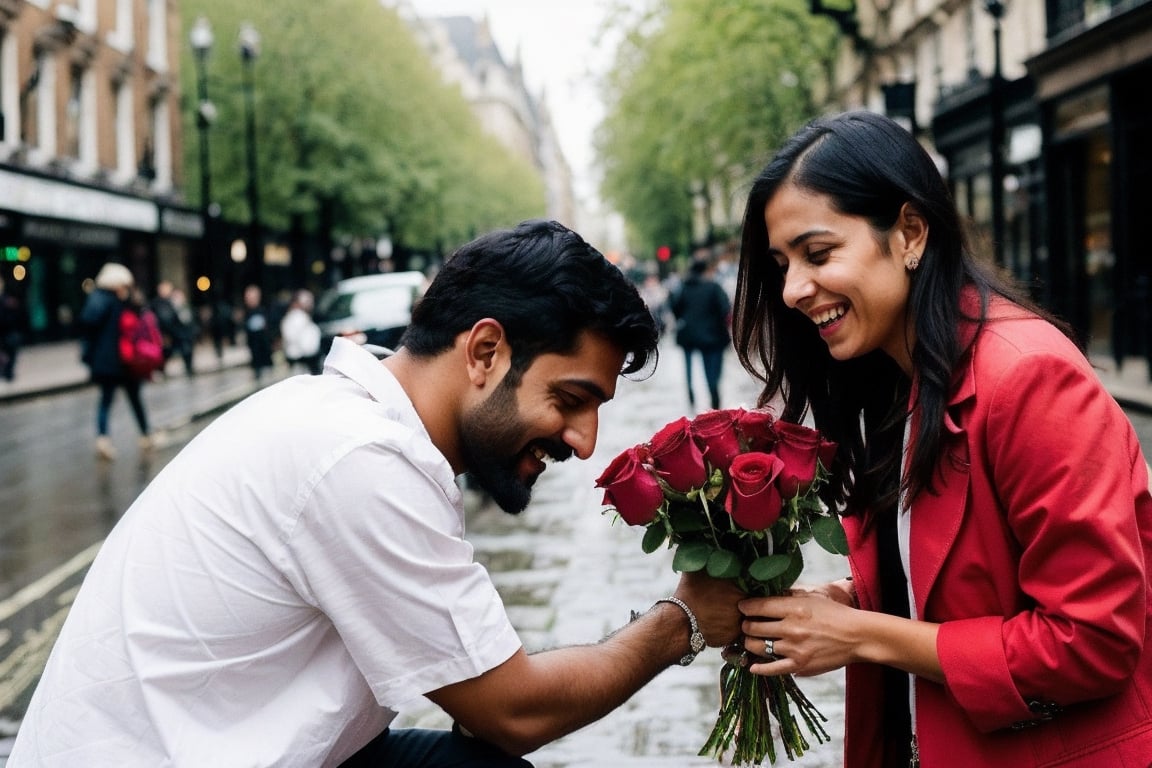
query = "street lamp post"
x=201 y=39
x=995 y=9
x=249 y=51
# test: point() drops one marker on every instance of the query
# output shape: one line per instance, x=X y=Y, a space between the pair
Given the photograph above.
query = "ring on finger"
x=769 y=647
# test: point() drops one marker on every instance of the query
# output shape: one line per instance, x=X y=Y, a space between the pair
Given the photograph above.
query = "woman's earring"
x=912 y=263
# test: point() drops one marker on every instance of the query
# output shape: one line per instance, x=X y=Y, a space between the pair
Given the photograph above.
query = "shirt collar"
x=357 y=364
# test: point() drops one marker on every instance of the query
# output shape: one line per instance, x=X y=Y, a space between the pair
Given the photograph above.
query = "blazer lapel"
x=936 y=517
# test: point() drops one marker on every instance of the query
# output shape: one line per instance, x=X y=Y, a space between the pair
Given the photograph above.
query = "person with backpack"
x=106 y=318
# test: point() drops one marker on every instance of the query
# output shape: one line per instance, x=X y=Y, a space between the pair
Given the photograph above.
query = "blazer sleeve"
x=1064 y=461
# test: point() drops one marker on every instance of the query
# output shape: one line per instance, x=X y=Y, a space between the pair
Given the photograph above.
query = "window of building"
x=122 y=37
x=158 y=35
x=86 y=15
x=125 y=132
x=72 y=112
x=970 y=41
x=29 y=118
x=6 y=114
x=45 y=117
x=161 y=145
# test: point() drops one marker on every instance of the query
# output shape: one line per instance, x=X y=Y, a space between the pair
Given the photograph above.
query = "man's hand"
x=714 y=601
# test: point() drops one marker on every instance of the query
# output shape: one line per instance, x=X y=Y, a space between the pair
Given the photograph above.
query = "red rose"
x=753 y=499
x=677 y=458
x=826 y=453
x=715 y=434
x=798 y=447
x=756 y=427
x=631 y=488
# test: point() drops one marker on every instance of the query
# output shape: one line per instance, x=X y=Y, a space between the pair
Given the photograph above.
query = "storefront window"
x=1099 y=258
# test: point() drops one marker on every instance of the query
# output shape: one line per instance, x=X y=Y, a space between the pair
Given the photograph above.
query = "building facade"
x=89 y=152
x=1036 y=112
x=463 y=50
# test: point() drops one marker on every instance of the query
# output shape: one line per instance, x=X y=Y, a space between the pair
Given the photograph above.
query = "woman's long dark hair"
x=867 y=166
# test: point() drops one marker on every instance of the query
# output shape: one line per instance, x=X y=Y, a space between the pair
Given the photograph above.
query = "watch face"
x=697 y=642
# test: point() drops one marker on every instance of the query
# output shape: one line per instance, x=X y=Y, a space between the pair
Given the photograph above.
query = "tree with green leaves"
x=699 y=95
x=357 y=134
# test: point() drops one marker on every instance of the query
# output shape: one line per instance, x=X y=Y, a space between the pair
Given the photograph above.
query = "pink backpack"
x=141 y=346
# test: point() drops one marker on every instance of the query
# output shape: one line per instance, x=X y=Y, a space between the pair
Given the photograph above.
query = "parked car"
x=371 y=309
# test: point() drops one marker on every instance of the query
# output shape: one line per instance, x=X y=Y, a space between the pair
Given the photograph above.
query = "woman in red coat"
x=995 y=496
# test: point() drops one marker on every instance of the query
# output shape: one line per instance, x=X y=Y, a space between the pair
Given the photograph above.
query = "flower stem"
x=748 y=706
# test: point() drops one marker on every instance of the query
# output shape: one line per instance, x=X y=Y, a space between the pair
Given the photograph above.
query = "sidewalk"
x=53 y=368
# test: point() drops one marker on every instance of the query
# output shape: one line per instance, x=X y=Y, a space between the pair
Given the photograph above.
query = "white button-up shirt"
x=296 y=573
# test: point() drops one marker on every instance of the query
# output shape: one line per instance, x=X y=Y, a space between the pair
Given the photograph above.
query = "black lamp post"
x=995 y=9
x=201 y=39
x=249 y=51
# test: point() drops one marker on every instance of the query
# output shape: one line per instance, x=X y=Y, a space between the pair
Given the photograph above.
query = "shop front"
x=55 y=235
x=1092 y=88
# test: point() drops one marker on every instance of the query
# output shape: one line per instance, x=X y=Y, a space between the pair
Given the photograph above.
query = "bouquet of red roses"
x=735 y=492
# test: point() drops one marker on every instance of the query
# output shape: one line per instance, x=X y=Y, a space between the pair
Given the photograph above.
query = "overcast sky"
x=558 y=44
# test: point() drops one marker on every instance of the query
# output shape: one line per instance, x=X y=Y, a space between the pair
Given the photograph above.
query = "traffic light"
x=13 y=253
x=663 y=253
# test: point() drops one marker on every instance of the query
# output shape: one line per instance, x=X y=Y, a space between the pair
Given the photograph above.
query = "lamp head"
x=201 y=36
x=249 y=42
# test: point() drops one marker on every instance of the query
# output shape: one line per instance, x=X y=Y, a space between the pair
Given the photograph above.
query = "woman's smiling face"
x=844 y=276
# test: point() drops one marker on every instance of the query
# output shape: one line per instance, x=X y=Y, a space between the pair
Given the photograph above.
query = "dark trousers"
x=420 y=748
x=713 y=360
x=108 y=386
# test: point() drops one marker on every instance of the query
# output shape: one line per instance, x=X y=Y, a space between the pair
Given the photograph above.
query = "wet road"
x=59 y=502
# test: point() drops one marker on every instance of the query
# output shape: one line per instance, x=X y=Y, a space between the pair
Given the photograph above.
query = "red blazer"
x=1033 y=555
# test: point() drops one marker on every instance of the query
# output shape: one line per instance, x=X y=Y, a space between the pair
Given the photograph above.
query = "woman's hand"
x=816 y=630
x=812 y=632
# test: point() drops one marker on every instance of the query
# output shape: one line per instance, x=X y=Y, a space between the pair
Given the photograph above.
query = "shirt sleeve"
x=1062 y=456
x=378 y=549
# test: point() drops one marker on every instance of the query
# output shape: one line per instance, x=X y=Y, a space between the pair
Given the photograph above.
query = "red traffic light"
x=663 y=253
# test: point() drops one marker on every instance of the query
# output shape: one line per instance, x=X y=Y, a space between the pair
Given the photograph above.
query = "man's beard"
x=491 y=441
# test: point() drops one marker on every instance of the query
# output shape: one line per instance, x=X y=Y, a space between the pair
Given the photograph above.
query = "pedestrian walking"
x=703 y=311
x=299 y=571
x=177 y=325
x=100 y=350
x=187 y=331
x=655 y=296
x=257 y=331
x=299 y=334
x=223 y=327
x=12 y=326
x=998 y=611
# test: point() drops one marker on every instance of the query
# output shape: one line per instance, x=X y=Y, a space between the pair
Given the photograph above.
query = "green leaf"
x=654 y=537
x=769 y=567
x=788 y=578
x=691 y=556
x=723 y=564
x=829 y=534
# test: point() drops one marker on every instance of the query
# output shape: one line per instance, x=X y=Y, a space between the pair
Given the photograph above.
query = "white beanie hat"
x=113 y=276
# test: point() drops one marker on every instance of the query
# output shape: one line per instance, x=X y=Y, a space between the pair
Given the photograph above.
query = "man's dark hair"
x=545 y=285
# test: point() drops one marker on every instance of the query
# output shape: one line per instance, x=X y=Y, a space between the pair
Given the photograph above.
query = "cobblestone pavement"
x=569 y=575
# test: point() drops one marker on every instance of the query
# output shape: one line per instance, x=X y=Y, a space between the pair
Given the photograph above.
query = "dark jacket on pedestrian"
x=100 y=342
x=702 y=311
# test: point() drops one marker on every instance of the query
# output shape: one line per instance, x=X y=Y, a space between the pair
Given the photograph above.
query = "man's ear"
x=486 y=352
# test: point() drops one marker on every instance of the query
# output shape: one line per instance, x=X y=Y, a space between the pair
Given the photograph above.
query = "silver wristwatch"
x=696 y=641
